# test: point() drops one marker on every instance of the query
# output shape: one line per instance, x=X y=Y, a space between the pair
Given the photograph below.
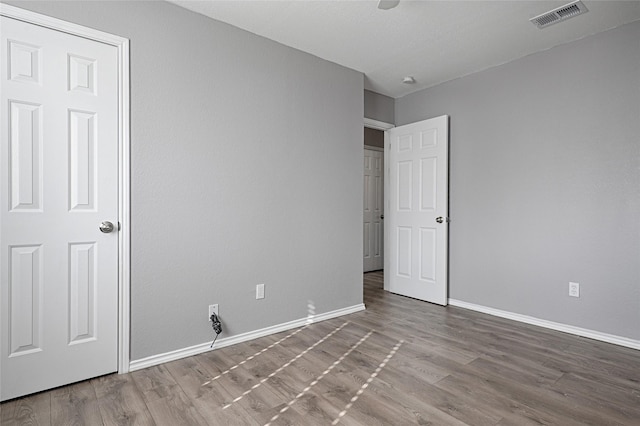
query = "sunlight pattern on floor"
x=320 y=377
x=366 y=384
x=255 y=355
x=301 y=354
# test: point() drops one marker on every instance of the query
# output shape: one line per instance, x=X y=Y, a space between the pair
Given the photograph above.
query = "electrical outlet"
x=574 y=289
x=260 y=291
x=213 y=309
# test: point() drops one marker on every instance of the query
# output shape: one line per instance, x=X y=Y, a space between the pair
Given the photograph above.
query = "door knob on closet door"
x=106 y=227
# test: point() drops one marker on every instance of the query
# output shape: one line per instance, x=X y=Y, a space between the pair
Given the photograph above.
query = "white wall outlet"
x=574 y=289
x=213 y=309
x=260 y=291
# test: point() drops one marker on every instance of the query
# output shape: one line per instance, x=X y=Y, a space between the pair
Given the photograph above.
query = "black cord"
x=217 y=327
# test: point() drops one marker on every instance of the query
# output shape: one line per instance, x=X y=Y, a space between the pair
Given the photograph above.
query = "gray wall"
x=545 y=182
x=373 y=137
x=379 y=107
x=246 y=168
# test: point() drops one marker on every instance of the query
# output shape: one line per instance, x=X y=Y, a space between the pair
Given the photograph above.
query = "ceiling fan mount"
x=387 y=4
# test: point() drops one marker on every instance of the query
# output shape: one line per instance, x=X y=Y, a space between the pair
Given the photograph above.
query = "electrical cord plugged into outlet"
x=217 y=327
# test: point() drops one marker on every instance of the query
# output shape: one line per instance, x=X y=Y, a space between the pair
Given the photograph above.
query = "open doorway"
x=373 y=195
x=373 y=213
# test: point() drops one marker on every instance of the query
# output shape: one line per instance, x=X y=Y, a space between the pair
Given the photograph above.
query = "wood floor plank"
x=531 y=377
x=175 y=409
x=414 y=409
x=381 y=403
x=76 y=404
x=120 y=401
x=621 y=405
x=211 y=410
x=392 y=380
x=30 y=410
x=512 y=412
x=195 y=379
x=254 y=395
x=557 y=404
x=155 y=383
x=617 y=373
x=315 y=410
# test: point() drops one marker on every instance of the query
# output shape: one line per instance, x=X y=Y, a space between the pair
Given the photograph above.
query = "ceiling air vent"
x=560 y=14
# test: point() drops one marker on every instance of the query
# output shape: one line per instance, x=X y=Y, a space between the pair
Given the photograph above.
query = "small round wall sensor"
x=408 y=80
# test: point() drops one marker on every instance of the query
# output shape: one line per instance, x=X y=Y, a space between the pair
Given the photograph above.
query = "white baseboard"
x=150 y=361
x=583 y=332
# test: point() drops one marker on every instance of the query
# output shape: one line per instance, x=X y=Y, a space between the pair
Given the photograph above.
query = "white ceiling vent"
x=560 y=14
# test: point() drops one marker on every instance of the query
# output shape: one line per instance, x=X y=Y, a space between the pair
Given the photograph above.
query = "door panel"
x=82 y=160
x=25 y=302
x=26 y=153
x=82 y=292
x=373 y=231
x=418 y=196
x=59 y=180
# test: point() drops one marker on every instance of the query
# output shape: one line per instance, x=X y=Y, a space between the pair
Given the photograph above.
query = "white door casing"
x=373 y=214
x=63 y=170
x=417 y=211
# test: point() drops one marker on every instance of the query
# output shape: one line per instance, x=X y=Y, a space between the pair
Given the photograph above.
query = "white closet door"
x=373 y=214
x=59 y=181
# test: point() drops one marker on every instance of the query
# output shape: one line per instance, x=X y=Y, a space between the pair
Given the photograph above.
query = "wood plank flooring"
x=400 y=362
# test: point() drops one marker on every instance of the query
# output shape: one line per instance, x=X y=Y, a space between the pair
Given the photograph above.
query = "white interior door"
x=417 y=213
x=373 y=232
x=59 y=181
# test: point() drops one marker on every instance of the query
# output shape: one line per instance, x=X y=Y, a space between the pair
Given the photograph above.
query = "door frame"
x=378 y=125
x=124 y=208
x=384 y=126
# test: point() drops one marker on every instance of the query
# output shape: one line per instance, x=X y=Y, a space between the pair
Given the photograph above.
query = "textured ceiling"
x=433 y=41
